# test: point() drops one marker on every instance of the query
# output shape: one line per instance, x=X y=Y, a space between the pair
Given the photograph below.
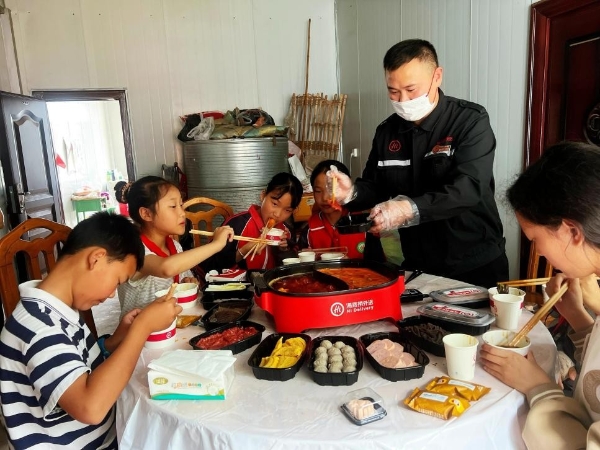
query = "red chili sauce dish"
x=227 y=337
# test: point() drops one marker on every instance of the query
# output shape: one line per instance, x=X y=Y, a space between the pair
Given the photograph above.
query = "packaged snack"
x=436 y=405
x=449 y=386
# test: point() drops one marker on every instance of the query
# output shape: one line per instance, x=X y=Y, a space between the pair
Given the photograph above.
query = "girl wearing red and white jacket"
x=278 y=201
x=321 y=231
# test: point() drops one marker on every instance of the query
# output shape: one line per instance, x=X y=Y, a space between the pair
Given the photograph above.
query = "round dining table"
x=300 y=414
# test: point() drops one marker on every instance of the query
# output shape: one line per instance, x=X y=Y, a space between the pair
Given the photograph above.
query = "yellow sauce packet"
x=449 y=386
x=436 y=405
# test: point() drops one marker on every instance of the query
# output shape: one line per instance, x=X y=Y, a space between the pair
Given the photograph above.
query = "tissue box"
x=166 y=386
x=187 y=375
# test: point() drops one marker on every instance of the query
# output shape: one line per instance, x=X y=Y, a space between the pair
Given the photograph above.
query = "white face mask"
x=413 y=110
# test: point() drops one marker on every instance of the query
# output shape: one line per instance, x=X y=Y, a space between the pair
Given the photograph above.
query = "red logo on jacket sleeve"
x=394 y=146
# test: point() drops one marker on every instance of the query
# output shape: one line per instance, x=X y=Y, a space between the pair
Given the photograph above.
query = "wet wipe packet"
x=449 y=386
x=437 y=405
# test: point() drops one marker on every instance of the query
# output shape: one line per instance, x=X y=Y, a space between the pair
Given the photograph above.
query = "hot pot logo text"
x=337 y=309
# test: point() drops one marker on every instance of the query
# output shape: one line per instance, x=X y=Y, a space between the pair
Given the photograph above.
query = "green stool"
x=88 y=205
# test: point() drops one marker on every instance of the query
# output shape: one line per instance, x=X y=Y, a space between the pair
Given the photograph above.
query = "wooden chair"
x=33 y=244
x=204 y=210
x=537 y=267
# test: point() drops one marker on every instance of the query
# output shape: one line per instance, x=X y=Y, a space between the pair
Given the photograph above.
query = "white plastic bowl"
x=288 y=261
x=185 y=293
x=275 y=236
x=162 y=338
x=331 y=256
x=500 y=338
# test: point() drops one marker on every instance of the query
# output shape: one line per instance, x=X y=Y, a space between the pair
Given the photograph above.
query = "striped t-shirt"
x=44 y=348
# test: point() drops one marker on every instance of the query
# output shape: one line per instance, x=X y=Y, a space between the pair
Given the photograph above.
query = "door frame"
x=542 y=15
x=74 y=95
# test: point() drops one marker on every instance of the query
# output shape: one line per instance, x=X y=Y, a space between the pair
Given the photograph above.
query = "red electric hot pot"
x=295 y=312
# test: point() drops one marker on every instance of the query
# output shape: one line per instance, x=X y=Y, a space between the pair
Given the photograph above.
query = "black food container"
x=457 y=319
x=211 y=319
x=211 y=298
x=393 y=374
x=235 y=347
x=265 y=349
x=336 y=379
x=354 y=223
x=428 y=337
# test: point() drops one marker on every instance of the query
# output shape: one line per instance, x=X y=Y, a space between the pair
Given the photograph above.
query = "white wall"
x=176 y=57
x=482 y=45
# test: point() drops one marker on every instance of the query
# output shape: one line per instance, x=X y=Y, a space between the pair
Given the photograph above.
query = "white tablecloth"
x=300 y=414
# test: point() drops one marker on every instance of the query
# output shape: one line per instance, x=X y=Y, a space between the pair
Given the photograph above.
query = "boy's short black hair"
x=115 y=234
x=324 y=166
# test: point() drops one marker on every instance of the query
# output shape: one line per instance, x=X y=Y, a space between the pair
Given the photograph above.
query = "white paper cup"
x=461 y=352
x=501 y=338
x=507 y=308
x=289 y=261
x=275 y=236
x=331 y=256
x=511 y=290
x=162 y=338
x=185 y=293
x=544 y=293
x=307 y=256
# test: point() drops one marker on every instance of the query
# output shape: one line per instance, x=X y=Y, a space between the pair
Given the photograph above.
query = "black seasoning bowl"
x=266 y=348
x=235 y=347
x=217 y=315
x=354 y=223
x=396 y=374
x=336 y=379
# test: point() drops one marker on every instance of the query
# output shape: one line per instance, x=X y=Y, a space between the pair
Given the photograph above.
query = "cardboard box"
x=304 y=210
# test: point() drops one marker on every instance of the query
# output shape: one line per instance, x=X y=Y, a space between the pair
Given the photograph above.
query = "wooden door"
x=28 y=162
x=563 y=100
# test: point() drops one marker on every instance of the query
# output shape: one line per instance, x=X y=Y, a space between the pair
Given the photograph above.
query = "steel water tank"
x=233 y=171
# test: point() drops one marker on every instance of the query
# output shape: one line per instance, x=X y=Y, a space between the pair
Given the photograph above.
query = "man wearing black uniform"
x=429 y=174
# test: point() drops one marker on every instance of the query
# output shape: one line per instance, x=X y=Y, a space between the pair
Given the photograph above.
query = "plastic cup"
x=288 y=261
x=461 y=352
x=307 y=256
x=507 y=308
x=544 y=293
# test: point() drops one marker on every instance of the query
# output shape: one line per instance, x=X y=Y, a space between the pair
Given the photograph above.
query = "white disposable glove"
x=399 y=212
x=344 y=190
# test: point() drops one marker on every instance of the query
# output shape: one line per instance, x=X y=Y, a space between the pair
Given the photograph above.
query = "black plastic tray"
x=336 y=379
x=424 y=344
x=354 y=223
x=400 y=374
x=266 y=348
x=211 y=298
x=247 y=304
x=236 y=347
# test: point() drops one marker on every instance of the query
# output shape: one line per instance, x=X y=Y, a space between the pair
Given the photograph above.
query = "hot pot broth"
x=306 y=283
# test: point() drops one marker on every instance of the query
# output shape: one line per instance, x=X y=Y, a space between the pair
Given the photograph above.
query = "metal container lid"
x=457 y=314
x=462 y=295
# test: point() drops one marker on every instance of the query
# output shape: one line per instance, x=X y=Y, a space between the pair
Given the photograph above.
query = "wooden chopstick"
x=269 y=225
x=171 y=291
x=327 y=249
x=526 y=282
x=235 y=237
x=544 y=310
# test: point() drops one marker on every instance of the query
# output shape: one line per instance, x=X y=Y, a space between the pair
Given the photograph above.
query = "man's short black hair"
x=405 y=51
x=114 y=233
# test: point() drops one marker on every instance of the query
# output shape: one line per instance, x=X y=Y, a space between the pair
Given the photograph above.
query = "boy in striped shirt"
x=57 y=389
